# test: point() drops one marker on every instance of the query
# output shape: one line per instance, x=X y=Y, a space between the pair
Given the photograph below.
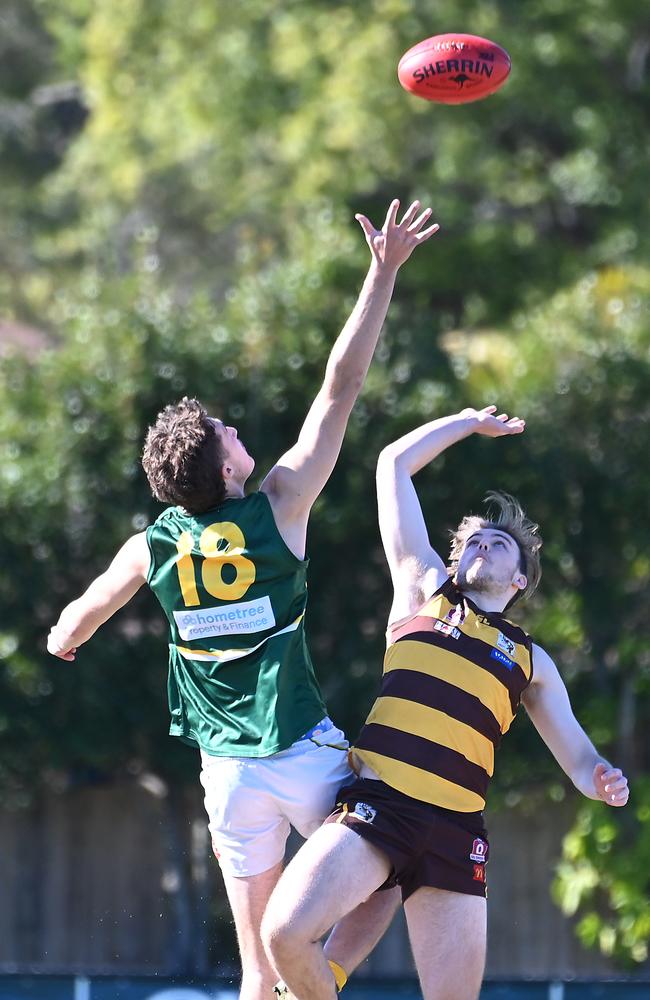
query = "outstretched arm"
x=105 y=595
x=416 y=568
x=547 y=703
x=299 y=476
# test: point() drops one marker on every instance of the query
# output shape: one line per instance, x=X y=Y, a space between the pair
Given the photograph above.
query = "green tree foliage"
x=603 y=876
x=194 y=234
x=207 y=118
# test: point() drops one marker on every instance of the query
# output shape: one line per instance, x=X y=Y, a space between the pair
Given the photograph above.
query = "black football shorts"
x=426 y=844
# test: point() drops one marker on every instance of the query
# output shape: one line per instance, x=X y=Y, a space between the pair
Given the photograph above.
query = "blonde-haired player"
x=455 y=672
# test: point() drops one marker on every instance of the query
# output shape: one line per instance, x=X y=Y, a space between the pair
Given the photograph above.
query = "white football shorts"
x=252 y=802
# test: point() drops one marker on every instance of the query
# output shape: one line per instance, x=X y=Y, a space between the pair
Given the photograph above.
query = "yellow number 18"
x=216 y=557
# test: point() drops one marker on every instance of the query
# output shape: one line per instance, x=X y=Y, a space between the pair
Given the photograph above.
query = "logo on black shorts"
x=479 y=850
x=479 y=873
x=364 y=812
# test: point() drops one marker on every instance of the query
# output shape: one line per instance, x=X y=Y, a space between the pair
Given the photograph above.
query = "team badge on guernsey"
x=364 y=812
x=506 y=644
x=479 y=850
x=446 y=629
x=456 y=616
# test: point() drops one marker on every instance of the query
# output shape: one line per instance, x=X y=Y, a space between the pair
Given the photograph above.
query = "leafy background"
x=178 y=188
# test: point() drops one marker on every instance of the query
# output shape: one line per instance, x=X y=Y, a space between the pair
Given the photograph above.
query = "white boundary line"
x=81 y=988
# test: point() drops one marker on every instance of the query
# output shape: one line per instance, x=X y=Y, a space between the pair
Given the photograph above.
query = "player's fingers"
x=391 y=214
x=488 y=409
x=613 y=791
x=426 y=233
x=366 y=225
x=422 y=217
x=616 y=786
x=600 y=769
x=502 y=416
x=409 y=214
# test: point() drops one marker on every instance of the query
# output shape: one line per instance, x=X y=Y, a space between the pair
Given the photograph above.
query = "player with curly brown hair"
x=229 y=570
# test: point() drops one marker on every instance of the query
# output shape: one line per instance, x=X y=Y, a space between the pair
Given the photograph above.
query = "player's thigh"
x=248 y=826
x=447 y=931
x=309 y=781
x=331 y=874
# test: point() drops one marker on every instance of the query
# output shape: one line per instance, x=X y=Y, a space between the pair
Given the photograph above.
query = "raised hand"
x=494 y=426
x=394 y=243
x=57 y=646
x=610 y=785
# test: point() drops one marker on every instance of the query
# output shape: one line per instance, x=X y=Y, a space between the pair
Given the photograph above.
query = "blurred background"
x=178 y=186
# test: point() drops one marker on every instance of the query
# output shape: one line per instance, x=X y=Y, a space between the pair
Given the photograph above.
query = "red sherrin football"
x=454 y=69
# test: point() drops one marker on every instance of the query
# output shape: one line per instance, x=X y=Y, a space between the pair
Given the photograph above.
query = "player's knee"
x=281 y=936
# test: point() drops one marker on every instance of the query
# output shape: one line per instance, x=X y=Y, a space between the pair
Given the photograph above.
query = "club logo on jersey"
x=479 y=850
x=506 y=644
x=446 y=629
x=479 y=874
x=364 y=812
x=496 y=654
x=456 y=616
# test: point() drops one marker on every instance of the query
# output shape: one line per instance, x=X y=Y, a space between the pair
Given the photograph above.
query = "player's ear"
x=520 y=581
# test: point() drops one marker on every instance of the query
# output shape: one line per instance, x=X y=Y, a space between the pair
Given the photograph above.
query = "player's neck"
x=235 y=491
x=488 y=602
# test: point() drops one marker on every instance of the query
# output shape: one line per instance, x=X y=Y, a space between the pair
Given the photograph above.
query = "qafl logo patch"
x=479 y=850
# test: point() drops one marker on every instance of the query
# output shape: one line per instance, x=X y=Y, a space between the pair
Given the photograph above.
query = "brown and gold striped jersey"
x=452 y=683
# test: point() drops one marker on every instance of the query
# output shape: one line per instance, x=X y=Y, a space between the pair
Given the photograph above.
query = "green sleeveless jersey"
x=241 y=681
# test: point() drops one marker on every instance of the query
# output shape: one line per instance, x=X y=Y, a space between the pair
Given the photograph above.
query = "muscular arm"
x=416 y=568
x=547 y=703
x=105 y=595
x=297 y=479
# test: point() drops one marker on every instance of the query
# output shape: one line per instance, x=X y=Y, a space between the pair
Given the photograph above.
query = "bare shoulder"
x=135 y=554
x=270 y=484
x=545 y=672
x=290 y=517
x=542 y=661
x=287 y=495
